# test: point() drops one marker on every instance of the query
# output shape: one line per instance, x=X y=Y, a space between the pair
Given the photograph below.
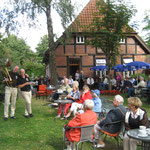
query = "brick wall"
x=87 y=58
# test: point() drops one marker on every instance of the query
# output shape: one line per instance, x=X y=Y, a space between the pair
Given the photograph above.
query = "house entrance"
x=74 y=65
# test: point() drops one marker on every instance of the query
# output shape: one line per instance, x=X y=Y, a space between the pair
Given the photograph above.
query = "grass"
x=42 y=132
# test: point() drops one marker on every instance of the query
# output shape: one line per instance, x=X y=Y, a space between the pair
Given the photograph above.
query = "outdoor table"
x=134 y=133
x=63 y=102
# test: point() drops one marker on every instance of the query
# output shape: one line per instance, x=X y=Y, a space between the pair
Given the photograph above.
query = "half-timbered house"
x=76 y=55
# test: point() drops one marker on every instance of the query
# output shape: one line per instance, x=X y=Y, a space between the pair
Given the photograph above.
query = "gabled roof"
x=84 y=18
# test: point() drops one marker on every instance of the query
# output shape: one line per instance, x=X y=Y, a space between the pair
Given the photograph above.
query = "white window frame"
x=80 y=39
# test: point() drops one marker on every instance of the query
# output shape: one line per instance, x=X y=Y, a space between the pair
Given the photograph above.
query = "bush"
x=140 y=74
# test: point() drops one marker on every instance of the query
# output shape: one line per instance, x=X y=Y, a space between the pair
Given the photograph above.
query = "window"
x=122 y=40
x=101 y=62
x=80 y=39
x=127 y=60
x=99 y=50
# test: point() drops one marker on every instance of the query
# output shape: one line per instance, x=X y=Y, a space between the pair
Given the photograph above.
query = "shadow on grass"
x=55 y=142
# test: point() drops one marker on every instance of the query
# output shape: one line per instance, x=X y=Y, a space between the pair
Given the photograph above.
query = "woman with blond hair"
x=73 y=95
x=134 y=118
x=78 y=104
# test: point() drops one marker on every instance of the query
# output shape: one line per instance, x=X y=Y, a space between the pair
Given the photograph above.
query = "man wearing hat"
x=97 y=102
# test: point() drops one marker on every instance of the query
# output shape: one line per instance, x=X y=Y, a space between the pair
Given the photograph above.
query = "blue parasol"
x=136 y=65
x=120 y=68
x=99 y=68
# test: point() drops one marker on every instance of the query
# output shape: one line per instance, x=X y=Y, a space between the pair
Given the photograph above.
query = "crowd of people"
x=132 y=118
x=86 y=105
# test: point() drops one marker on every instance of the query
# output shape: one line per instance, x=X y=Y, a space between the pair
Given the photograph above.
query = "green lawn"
x=42 y=132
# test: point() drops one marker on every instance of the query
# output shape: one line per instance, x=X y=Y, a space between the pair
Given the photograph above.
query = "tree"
x=17 y=48
x=3 y=55
x=109 y=25
x=19 y=53
x=146 y=20
x=32 y=9
x=42 y=47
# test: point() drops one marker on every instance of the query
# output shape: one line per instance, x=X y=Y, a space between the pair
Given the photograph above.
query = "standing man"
x=24 y=85
x=11 y=92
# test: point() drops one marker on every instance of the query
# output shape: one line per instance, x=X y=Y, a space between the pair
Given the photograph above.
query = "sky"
x=32 y=36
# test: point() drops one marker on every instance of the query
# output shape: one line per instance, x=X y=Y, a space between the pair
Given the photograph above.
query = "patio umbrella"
x=120 y=68
x=99 y=68
x=136 y=65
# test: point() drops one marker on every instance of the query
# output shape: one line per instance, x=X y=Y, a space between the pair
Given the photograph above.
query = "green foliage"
x=35 y=68
x=19 y=53
x=108 y=26
x=31 y=9
x=18 y=50
x=42 y=47
x=140 y=74
x=146 y=20
x=2 y=63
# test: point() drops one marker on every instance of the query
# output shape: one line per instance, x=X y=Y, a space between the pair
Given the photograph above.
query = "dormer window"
x=80 y=39
x=122 y=40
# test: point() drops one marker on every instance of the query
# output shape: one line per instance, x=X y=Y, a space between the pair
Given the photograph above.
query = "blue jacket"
x=97 y=104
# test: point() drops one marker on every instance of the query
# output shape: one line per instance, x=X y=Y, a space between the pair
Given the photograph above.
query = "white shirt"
x=77 y=76
x=70 y=81
x=105 y=81
x=90 y=81
x=113 y=82
x=139 y=112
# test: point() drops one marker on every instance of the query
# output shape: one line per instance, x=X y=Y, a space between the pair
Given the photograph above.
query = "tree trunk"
x=52 y=57
x=108 y=64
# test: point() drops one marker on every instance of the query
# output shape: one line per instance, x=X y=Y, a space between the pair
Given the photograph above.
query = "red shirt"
x=84 y=97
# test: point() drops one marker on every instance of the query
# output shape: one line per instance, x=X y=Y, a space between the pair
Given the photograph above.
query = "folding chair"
x=42 y=91
x=86 y=135
x=114 y=135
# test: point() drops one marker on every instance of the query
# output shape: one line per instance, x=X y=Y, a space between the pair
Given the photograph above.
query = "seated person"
x=41 y=81
x=113 y=83
x=141 y=84
x=131 y=79
x=104 y=85
x=97 y=101
x=65 y=88
x=128 y=86
x=96 y=82
x=78 y=104
x=106 y=124
x=87 y=118
x=90 y=82
x=73 y=95
x=70 y=81
x=134 y=118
